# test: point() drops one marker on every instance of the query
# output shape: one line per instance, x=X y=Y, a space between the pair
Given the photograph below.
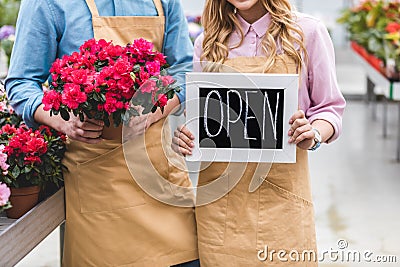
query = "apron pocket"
x=211 y=222
x=287 y=194
x=105 y=184
x=285 y=221
x=211 y=217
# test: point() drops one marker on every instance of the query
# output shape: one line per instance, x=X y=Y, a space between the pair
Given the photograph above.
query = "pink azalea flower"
x=4 y=194
x=3 y=161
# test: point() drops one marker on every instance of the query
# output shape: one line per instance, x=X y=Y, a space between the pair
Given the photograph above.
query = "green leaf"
x=64 y=114
x=106 y=122
x=27 y=169
x=15 y=172
x=88 y=114
x=170 y=94
x=117 y=118
x=96 y=97
x=163 y=72
x=136 y=68
x=134 y=112
x=81 y=117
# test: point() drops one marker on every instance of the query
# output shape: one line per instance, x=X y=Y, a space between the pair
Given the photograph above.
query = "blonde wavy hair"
x=219 y=20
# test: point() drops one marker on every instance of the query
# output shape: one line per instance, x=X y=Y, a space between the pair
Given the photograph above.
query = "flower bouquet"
x=109 y=82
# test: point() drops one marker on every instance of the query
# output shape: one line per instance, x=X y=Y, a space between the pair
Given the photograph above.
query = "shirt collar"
x=260 y=26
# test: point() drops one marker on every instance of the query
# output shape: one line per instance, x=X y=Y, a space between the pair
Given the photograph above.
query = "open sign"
x=241 y=117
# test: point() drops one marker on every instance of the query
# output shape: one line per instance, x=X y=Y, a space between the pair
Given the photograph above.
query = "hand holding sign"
x=241 y=117
x=182 y=142
x=301 y=131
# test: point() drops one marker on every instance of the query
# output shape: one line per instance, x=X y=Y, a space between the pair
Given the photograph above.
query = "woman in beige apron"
x=110 y=221
x=274 y=225
x=278 y=215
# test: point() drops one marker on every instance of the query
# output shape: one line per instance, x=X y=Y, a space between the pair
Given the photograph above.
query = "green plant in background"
x=9 y=11
x=367 y=24
x=7 y=46
x=392 y=49
x=354 y=20
x=8 y=17
x=7 y=113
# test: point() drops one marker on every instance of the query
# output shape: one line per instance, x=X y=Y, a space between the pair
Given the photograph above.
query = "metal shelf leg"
x=385 y=115
x=398 y=137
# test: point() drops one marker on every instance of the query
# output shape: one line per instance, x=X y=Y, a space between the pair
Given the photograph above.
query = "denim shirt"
x=49 y=29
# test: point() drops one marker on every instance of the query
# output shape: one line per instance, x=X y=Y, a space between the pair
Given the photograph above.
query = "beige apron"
x=236 y=229
x=110 y=221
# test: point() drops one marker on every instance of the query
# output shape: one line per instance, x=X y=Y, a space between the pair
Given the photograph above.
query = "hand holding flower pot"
x=108 y=82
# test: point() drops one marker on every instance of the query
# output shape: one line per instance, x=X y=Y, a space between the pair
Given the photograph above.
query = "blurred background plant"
x=9 y=11
x=195 y=27
x=7 y=38
x=7 y=113
x=367 y=25
x=8 y=18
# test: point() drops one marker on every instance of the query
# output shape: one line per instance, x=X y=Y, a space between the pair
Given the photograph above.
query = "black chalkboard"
x=241 y=118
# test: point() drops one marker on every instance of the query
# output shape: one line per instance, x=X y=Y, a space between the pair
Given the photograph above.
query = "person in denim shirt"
x=137 y=231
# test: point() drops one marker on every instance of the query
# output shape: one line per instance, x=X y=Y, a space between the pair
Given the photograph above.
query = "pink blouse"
x=319 y=93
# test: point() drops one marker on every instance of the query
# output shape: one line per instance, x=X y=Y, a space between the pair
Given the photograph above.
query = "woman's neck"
x=254 y=13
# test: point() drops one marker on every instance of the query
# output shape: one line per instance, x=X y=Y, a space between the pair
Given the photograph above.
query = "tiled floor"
x=355 y=180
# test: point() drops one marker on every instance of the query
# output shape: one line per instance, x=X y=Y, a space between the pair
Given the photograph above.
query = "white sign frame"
x=287 y=82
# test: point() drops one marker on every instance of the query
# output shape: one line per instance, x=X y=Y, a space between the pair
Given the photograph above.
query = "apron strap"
x=159 y=7
x=95 y=13
x=92 y=7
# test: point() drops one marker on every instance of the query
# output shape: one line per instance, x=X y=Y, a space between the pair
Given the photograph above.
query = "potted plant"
x=109 y=82
x=33 y=159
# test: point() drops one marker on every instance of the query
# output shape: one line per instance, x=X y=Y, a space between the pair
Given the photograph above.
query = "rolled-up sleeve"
x=321 y=97
x=178 y=47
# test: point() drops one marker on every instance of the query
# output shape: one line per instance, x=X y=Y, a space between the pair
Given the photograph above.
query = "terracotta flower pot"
x=112 y=133
x=22 y=200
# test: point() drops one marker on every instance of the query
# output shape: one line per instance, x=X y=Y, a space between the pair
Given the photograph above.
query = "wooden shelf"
x=19 y=237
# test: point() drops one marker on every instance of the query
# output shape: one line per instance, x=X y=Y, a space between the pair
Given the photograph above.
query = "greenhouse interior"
x=353 y=152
